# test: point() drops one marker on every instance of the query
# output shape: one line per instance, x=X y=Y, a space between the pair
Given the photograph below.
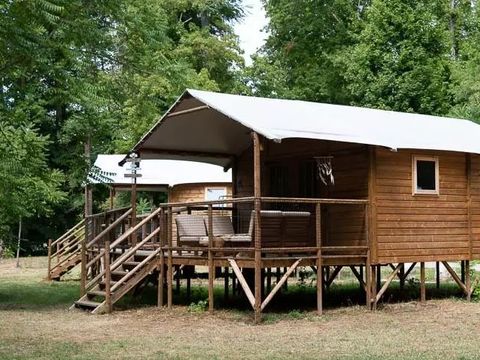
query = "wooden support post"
x=423 y=296
x=258 y=230
x=170 y=259
x=368 y=282
x=285 y=285
x=401 y=276
x=226 y=284
x=269 y=279
x=437 y=274
x=462 y=268
x=108 y=276
x=211 y=269
x=49 y=277
x=83 y=264
x=177 y=279
x=134 y=211
x=379 y=276
x=468 y=284
x=318 y=239
x=360 y=273
x=161 y=277
x=374 y=287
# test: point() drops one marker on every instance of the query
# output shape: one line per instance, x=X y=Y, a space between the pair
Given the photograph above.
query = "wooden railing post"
x=170 y=259
x=108 y=276
x=83 y=265
x=258 y=231
x=318 y=238
x=211 y=269
x=161 y=272
x=49 y=277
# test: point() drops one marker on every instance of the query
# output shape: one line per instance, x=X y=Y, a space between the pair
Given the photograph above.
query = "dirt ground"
x=447 y=329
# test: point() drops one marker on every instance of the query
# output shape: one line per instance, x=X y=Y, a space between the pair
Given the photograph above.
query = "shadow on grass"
x=298 y=299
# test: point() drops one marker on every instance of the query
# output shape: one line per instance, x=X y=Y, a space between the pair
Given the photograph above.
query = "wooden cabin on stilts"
x=314 y=185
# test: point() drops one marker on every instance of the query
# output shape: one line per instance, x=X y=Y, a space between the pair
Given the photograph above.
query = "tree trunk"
x=19 y=241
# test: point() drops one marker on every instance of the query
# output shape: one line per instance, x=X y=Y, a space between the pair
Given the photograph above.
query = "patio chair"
x=223 y=227
x=297 y=229
x=191 y=230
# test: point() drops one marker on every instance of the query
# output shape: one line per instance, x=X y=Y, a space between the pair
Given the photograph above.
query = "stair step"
x=96 y=293
x=119 y=273
x=87 y=304
x=130 y=264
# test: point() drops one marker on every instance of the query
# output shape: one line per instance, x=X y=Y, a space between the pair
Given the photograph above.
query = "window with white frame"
x=425 y=175
x=215 y=193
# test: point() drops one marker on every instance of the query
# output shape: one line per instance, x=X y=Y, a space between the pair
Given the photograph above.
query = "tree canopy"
x=86 y=77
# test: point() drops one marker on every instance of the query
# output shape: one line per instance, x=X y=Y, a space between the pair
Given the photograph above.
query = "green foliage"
x=86 y=77
x=200 y=306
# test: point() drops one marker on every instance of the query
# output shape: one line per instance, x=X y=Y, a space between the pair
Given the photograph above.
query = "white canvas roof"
x=161 y=172
x=201 y=123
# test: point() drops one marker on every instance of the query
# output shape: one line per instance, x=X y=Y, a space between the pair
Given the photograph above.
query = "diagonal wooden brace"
x=333 y=275
x=457 y=279
x=387 y=283
x=243 y=282
x=280 y=283
x=359 y=277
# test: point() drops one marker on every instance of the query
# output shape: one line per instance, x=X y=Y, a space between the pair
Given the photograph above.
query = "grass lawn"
x=35 y=323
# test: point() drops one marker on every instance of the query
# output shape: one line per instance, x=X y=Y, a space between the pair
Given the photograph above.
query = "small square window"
x=425 y=175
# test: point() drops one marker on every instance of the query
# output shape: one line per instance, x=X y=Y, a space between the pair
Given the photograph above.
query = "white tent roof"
x=161 y=172
x=206 y=122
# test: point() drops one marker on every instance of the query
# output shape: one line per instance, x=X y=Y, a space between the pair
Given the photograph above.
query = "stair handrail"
x=124 y=236
x=119 y=261
x=72 y=245
x=70 y=239
x=80 y=223
x=109 y=228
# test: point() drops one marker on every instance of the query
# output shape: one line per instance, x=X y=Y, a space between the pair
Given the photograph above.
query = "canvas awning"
x=157 y=174
x=214 y=127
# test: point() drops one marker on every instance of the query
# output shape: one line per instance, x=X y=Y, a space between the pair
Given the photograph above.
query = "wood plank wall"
x=422 y=227
x=475 y=205
x=342 y=225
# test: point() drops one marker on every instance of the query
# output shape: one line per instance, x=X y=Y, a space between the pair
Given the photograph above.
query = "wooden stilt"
x=161 y=277
x=437 y=274
x=285 y=285
x=177 y=279
x=374 y=287
x=360 y=273
x=401 y=276
x=226 y=272
x=83 y=265
x=423 y=296
x=462 y=268
x=211 y=268
x=269 y=279
x=170 y=259
x=368 y=282
x=318 y=238
x=379 y=276
x=468 y=284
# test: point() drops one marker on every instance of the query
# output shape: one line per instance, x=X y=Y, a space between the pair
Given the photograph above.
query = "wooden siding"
x=341 y=224
x=475 y=205
x=421 y=227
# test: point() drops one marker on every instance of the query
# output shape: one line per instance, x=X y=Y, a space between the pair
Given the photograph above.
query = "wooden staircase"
x=65 y=252
x=122 y=269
